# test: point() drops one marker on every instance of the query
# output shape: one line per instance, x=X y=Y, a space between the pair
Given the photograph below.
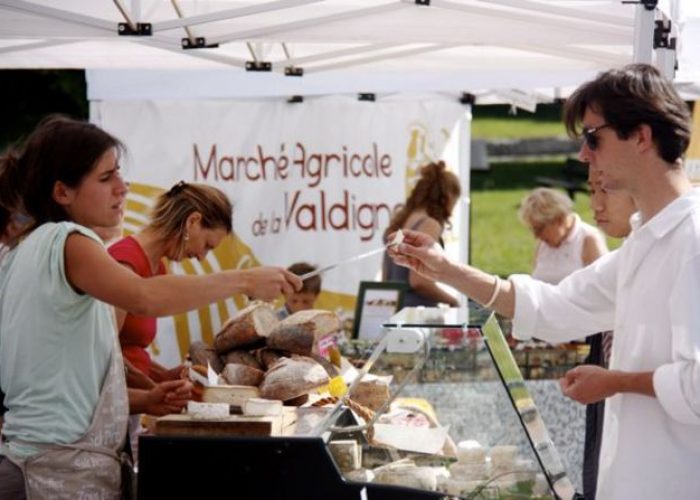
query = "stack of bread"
x=255 y=349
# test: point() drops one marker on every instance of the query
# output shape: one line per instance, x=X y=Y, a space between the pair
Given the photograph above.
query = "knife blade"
x=322 y=270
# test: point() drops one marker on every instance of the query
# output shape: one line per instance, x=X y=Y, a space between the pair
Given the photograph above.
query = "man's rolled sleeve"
x=526 y=306
x=668 y=386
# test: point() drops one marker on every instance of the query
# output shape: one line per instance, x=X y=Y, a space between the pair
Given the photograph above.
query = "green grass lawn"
x=517 y=128
x=499 y=242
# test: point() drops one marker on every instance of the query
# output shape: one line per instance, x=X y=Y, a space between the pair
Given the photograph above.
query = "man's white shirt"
x=648 y=293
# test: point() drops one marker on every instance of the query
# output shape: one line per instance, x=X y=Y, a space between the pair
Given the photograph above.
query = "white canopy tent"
x=483 y=47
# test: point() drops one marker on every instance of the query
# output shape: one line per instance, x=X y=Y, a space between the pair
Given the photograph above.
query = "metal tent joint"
x=425 y=3
x=258 y=66
x=467 y=98
x=197 y=43
x=366 y=96
x=662 y=30
x=648 y=4
x=295 y=99
x=293 y=71
x=142 y=29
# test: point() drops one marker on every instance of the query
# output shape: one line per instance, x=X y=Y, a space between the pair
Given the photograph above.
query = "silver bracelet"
x=496 y=291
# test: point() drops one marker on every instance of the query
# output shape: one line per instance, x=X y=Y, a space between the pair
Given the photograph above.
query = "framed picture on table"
x=377 y=301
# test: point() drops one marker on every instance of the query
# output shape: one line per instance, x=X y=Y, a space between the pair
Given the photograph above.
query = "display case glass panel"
x=492 y=442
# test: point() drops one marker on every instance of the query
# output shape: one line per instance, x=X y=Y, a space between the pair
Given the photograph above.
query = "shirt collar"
x=669 y=217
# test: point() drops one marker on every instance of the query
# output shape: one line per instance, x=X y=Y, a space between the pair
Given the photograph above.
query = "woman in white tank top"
x=566 y=243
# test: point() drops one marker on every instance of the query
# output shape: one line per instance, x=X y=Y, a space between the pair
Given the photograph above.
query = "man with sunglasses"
x=636 y=130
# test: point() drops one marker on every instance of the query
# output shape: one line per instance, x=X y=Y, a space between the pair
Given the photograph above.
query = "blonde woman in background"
x=566 y=243
x=428 y=210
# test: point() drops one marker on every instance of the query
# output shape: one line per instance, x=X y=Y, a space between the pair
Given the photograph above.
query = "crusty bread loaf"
x=268 y=357
x=249 y=326
x=371 y=393
x=202 y=353
x=241 y=358
x=299 y=332
x=292 y=377
x=235 y=374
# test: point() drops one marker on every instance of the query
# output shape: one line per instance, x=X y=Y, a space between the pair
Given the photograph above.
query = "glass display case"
x=408 y=425
x=496 y=446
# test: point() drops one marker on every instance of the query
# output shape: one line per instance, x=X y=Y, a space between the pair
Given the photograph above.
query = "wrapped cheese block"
x=202 y=353
x=299 y=332
x=423 y=478
x=471 y=452
x=292 y=377
x=207 y=411
x=241 y=358
x=258 y=407
x=249 y=326
x=235 y=374
x=346 y=453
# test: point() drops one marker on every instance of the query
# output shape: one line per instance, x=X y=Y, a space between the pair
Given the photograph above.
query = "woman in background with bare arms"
x=60 y=363
x=427 y=210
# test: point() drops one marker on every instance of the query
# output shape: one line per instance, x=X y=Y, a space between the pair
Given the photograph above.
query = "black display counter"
x=274 y=468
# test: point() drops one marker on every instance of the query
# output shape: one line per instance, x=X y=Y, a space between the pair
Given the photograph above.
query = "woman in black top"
x=428 y=210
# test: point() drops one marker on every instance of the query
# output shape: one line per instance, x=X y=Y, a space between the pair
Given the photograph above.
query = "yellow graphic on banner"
x=422 y=149
x=232 y=253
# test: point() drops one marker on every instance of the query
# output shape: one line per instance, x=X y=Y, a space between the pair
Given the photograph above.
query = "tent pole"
x=388 y=55
x=224 y=14
x=643 y=34
x=63 y=15
x=465 y=222
x=257 y=33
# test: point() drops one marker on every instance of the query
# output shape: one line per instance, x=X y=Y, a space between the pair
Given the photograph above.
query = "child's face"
x=300 y=301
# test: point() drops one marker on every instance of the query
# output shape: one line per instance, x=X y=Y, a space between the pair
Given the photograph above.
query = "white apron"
x=91 y=467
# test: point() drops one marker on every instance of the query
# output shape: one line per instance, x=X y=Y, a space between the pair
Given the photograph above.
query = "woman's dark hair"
x=59 y=149
x=4 y=219
x=634 y=95
x=433 y=192
x=172 y=208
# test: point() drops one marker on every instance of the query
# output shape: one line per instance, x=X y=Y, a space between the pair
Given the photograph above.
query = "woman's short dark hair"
x=59 y=149
x=631 y=96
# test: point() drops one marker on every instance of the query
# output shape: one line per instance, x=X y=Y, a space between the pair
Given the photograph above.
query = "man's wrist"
x=633 y=382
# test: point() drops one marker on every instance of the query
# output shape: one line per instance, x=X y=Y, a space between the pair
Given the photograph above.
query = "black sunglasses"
x=589 y=135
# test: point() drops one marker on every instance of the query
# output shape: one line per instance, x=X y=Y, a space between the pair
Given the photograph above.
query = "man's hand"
x=588 y=384
x=421 y=253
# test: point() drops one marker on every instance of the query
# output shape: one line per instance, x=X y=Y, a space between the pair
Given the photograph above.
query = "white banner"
x=315 y=181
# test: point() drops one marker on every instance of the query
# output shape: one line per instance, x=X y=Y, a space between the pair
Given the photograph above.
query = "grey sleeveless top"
x=394 y=272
